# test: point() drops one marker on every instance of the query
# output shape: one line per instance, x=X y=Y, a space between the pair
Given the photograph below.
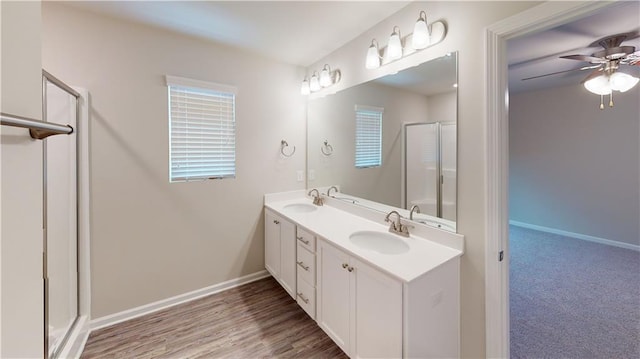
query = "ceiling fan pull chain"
x=611 y=99
x=601 y=102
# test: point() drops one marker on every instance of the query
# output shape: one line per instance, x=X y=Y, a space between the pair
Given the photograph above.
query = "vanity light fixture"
x=305 y=89
x=424 y=35
x=421 y=35
x=314 y=85
x=317 y=83
x=373 y=56
x=394 y=49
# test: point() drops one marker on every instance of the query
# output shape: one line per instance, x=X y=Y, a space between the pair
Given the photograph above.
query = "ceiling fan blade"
x=561 y=72
x=584 y=58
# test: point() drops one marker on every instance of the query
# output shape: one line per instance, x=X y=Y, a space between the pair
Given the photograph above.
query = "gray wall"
x=151 y=239
x=21 y=220
x=574 y=167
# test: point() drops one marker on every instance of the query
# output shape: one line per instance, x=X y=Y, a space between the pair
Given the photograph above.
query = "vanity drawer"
x=306 y=263
x=306 y=297
x=306 y=239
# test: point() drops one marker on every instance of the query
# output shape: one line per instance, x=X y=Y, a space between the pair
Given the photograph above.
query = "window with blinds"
x=368 y=136
x=202 y=130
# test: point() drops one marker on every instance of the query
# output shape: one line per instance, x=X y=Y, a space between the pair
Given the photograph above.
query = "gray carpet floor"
x=571 y=298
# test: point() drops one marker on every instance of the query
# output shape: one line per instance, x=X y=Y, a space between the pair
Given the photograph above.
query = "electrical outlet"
x=300 y=174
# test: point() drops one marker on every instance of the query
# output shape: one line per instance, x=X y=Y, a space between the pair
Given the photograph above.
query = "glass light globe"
x=622 y=82
x=394 y=49
x=373 y=57
x=314 y=85
x=598 y=85
x=420 y=38
x=325 y=76
x=304 y=89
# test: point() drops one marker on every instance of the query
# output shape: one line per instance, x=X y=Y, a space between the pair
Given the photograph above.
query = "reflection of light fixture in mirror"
x=305 y=89
x=420 y=38
x=317 y=83
x=314 y=85
x=325 y=76
x=394 y=49
x=455 y=85
x=373 y=56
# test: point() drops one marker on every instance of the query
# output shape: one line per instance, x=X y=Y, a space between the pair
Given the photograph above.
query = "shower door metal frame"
x=48 y=78
x=439 y=176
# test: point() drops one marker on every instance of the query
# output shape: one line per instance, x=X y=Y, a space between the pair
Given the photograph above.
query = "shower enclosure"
x=430 y=168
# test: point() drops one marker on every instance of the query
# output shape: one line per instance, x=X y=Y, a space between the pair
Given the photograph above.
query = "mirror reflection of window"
x=368 y=136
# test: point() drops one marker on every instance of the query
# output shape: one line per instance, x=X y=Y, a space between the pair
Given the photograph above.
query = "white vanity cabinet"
x=280 y=250
x=358 y=306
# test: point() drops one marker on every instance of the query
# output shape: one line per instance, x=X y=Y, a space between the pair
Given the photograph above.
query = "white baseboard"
x=77 y=339
x=178 y=299
x=584 y=237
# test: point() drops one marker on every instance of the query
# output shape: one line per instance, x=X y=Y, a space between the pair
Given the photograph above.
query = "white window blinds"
x=368 y=136
x=202 y=130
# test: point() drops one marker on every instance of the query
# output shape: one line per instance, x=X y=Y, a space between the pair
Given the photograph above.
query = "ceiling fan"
x=605 y=77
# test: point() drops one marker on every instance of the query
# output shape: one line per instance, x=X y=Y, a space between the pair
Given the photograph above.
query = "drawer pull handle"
x=350 y=269
x=276 y=221
x=344 y=265
x=303 y=298
x=303 y=241
x=301 y=264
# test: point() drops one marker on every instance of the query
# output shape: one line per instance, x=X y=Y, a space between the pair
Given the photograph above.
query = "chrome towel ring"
x=284 y=144
x=327 y=149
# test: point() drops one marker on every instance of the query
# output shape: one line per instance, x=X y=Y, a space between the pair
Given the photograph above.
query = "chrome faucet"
x=397 y=226
x=332 y=188
x=317 y=200
x=413 y=208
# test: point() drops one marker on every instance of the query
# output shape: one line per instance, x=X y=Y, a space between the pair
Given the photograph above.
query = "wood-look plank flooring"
x=256 y=320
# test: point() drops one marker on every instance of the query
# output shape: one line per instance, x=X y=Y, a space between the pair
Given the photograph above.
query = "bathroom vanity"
x=376 y=294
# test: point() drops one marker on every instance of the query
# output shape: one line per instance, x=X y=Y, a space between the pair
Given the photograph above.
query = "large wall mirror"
x=391 y=142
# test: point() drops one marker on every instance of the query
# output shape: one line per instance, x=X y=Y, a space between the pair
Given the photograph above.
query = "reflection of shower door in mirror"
x=61 y=221
x=430 y=168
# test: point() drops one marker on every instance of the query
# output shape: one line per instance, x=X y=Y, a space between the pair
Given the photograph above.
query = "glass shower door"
x=61 y=292
x=421 y=167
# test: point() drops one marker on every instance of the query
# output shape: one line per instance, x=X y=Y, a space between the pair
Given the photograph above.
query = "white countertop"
x=335 y=226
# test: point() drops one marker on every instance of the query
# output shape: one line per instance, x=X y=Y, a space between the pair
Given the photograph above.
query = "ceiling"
x=302 y=32
x=538 y=54
x=294 y=32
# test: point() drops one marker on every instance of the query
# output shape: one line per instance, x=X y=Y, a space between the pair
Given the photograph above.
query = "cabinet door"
x=288 y=257
x=272 y=243
x=333 y=294
x=378 y=313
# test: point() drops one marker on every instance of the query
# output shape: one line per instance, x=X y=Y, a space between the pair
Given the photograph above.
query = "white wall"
x=466 y=23
x=574 y=167
x=22 y=317
x=151 y=239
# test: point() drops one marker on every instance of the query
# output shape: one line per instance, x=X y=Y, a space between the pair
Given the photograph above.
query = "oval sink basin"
x=381 y=242
x=300 y=207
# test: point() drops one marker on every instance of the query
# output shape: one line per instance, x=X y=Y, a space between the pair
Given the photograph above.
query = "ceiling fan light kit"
x=606 y=76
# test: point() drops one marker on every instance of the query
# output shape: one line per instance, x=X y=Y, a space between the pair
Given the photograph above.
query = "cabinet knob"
x=276 y=221
x=345 y=265
x=350 y=269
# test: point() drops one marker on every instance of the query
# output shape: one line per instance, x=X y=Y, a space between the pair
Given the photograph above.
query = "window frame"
x=217 y=92
x=377 y=111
